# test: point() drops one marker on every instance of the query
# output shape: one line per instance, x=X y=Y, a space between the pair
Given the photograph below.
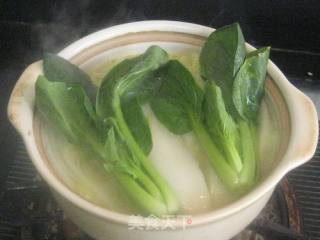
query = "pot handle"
x=304 y=129
x=21 y=102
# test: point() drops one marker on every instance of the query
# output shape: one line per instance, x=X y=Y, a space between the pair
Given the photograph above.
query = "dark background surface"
x=290 y=24
x=28 y=28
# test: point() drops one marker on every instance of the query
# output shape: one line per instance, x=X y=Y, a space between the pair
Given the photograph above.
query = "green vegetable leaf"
x=127 y=78
x=106 y=89
x=226 y=173
x=118 y=98
x=221 y=125
x=57 y=69
x=127 y=81
x=137 y=123
x=145 y=91
x=248 y=88
x=171 y=115
x=221 y=57
x=178 y=105
x=176 y=98
x=69 y=108
x=217 y=118
x=119 y=157
x=122 y=160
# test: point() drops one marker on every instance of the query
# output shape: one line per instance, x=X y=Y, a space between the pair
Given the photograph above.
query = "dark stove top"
x=29 y=28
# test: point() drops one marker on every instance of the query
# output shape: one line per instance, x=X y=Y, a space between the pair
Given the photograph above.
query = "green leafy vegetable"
x=221 y=125
x=58 y=69
x=224 y=117
x=61 y=105
x=177 y=97
x=171 y=115
x=248 y=91
x=231 y=108
x=248 y=87
x=115 y=90
x=249 y=155
x=137 y=123
x=127 y=77
x=70 y=109
x=180 y=94
x=221 y=57
x=127 y=169
x=124 y=141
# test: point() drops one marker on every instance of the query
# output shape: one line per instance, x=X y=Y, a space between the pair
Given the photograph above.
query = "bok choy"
x=223 y=115
x=117 y=132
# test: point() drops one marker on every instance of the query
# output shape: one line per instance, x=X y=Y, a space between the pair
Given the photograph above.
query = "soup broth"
x=179 y=159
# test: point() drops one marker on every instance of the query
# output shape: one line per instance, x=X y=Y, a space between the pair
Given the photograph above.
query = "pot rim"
x=301 y=147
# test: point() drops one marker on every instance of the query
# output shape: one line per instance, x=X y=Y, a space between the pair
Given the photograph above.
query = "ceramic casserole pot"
x=296 y=116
